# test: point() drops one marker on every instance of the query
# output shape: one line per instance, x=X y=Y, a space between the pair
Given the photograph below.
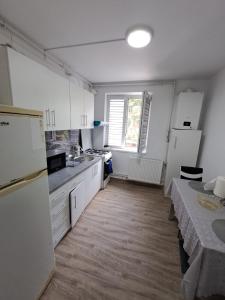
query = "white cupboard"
x=59 y=104
x=82 y=107
x=77 y=202
x=93 y=181
x=69 y=201
x=28 y=84
x=89 y=109
x=76 y=106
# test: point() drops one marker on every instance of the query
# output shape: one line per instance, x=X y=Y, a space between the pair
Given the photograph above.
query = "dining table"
x=196 y=210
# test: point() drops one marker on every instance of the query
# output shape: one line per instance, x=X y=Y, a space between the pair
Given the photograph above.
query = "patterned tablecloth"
x=206 y=274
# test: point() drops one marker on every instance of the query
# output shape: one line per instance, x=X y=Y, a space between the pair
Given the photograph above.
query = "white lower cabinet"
x=77 y=202
x=69 y=201
x=60 y=215
x=93 y=181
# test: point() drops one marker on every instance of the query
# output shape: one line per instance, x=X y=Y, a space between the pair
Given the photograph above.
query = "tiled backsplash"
x=62 y=139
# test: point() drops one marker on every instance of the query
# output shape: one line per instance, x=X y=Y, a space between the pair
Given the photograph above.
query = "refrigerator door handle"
x=49 y=121
x=15 y=186
x=175 y=143
x=46 y=117
x=75 y=201
x=52 y=115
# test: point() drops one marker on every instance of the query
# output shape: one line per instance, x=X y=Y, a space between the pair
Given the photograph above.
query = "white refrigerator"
x=182 y=151
x=26 y=247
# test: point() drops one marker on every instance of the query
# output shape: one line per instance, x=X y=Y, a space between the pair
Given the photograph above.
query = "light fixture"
x=138 y=36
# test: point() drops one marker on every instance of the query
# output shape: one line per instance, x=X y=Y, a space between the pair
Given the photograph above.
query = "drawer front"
x=60 y=223
x=57 y=198
x=74 y=182
x=62 y=205
x=60 y=232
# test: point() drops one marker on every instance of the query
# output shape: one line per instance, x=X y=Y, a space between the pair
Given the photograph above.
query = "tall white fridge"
x=183 y=151
x=26 y=247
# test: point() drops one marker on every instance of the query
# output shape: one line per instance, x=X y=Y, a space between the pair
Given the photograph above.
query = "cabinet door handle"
x=52 y=115
x=86 y=117
x=82 y=120
x=75 y=202
x=46 y=116
x=49 y=119
x=175 y=143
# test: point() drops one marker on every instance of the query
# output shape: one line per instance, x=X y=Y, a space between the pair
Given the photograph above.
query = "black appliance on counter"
x=56 y=160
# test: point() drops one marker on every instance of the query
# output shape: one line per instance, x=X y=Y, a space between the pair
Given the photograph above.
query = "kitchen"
x=93 y=150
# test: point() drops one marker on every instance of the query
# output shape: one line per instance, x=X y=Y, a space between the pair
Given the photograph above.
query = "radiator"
x=145 y=169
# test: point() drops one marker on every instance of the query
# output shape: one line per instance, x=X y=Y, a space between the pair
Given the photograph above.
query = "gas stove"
x=106 y=157
x=103 y=153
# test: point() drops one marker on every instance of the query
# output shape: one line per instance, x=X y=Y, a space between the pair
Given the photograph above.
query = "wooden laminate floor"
x=123 y=247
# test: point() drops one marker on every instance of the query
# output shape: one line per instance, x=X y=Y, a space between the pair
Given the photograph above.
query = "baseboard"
x=46 y=283
x=119 y=176
x=126 y=180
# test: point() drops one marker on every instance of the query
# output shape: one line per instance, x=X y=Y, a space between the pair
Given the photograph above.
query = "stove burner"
x=95 y=151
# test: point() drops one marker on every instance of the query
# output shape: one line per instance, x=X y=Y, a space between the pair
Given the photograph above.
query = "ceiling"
x=188 y=35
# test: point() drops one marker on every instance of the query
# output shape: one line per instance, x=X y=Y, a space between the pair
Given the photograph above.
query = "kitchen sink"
x=81 y=159
x=89 y=158
x=218 y=227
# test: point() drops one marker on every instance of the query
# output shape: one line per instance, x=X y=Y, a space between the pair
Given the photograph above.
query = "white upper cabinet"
x=59 y=105
x=25 y=81
x=82 y=107
x=77 y=106
x=28 y=84
x=89 y=109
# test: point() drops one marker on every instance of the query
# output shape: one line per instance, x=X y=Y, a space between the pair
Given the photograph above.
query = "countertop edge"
x=90 y=163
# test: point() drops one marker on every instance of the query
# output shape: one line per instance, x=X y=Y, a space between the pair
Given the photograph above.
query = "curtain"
x=145 y=117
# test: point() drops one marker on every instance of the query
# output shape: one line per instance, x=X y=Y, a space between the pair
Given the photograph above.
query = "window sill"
x=125 y=150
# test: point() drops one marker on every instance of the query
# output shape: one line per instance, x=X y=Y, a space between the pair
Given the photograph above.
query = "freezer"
x=22 y=144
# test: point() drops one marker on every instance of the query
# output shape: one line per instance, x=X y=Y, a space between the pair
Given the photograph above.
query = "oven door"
x=107 y=171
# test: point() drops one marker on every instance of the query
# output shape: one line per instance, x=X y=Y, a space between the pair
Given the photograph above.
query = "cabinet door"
x=77 y=203
x=28 y=82
x=89 y=109
x=96 y=177
x=60 y=102
x=41 y=89
x=77 y=113
x=31 y=89
x=60 y=215
x=93 y=181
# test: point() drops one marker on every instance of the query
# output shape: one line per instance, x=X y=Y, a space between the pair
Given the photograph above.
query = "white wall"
x=162 y=103
x=162 y=106
x=31 y=50
x=212 y=157
x=199 y=85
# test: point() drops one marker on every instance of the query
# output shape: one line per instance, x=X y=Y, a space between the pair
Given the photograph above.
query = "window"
x=128 y=122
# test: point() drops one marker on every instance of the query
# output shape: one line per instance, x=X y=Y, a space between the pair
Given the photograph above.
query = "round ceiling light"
x=138 y=36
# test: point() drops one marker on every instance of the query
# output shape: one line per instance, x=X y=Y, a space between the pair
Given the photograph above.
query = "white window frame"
x=125 y=97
